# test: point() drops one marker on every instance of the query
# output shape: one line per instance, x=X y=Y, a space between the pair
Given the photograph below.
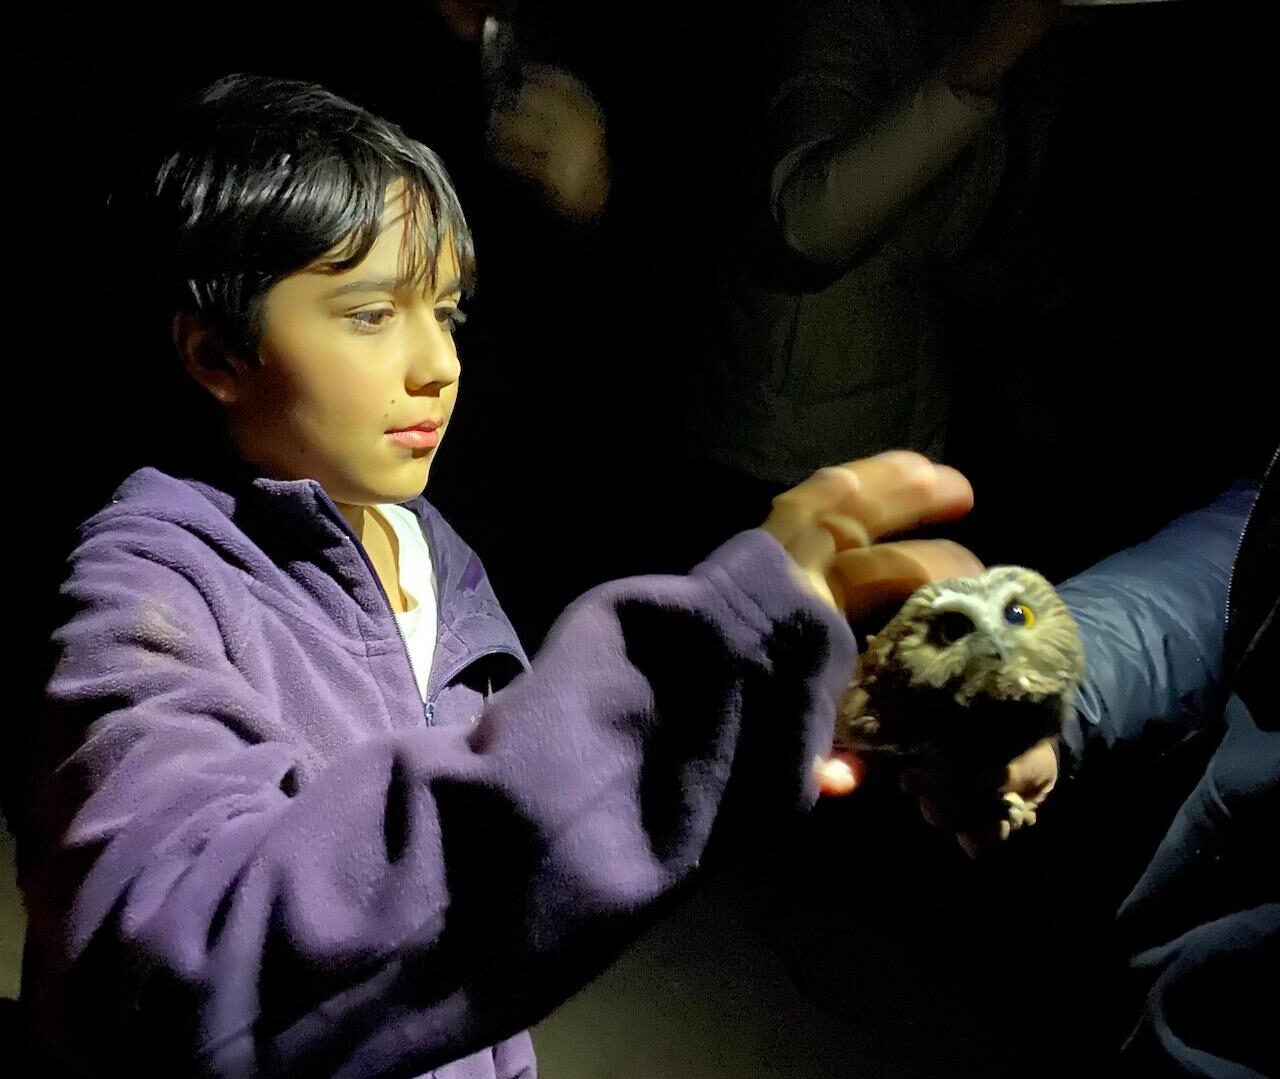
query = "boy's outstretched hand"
x=831 y=525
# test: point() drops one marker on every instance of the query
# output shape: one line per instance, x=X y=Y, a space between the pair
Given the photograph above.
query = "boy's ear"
x=207 y=358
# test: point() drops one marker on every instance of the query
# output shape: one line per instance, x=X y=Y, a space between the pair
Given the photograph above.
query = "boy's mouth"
x=421 y=425
x=421 y=436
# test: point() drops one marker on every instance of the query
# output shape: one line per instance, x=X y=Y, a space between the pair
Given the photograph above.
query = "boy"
x=304 y=806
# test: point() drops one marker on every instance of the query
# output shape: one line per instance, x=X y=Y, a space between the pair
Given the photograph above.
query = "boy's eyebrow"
x=367 y=284
x=386 y=284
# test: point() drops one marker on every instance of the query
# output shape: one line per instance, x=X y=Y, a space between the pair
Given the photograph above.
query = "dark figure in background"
x=1111 y=300
x=615 y=129
x=879 y=150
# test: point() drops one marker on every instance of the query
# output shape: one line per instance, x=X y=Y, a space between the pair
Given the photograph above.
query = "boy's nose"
x=434 y=359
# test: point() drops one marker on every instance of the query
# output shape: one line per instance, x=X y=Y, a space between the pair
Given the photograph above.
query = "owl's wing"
x=877 y=655
x=857 y=723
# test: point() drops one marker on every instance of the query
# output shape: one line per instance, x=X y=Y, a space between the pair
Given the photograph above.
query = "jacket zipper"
x=428 y=707
x=1231 y=577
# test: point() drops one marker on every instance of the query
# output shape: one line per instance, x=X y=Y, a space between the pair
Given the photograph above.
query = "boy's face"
x=348 y=361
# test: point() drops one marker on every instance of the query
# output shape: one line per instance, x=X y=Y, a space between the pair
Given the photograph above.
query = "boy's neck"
x=358 y=517
x=378 y=539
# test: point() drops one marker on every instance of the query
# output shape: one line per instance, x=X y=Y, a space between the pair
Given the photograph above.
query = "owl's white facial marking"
x=952 y=609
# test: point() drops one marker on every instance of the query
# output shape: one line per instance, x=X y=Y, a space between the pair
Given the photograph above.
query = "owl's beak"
x=985 y=647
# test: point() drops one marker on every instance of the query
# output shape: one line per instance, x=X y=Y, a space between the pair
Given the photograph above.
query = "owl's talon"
x=1018 y=813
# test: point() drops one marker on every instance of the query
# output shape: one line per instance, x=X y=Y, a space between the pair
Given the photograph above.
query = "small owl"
x=968 y=675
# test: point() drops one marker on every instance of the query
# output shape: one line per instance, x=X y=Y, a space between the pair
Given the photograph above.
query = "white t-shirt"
x=418 y=583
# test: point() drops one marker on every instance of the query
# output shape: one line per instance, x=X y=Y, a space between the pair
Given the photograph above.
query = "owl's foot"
x=1018 y=813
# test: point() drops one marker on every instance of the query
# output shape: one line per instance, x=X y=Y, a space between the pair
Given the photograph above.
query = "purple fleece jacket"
x=257 y=853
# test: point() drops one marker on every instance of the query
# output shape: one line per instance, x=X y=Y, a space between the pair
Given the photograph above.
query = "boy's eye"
x=367 y=321
x=450 y=317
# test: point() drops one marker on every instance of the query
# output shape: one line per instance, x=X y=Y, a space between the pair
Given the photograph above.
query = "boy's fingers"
x=872 y=577
x=899 y=490
x=888 y=493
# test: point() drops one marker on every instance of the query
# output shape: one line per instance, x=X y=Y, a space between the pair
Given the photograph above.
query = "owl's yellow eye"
x=1019 y=614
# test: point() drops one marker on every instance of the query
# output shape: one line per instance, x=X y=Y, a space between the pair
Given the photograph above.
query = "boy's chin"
x=378 y=486
x=401 y=488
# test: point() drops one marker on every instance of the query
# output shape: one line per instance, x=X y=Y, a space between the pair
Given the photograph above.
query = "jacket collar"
x=299 y=515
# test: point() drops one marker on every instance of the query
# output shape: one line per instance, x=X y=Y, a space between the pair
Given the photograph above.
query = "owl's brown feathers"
x=971 y=672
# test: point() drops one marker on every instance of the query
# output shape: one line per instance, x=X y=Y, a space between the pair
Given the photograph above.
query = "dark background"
x=1110 y=322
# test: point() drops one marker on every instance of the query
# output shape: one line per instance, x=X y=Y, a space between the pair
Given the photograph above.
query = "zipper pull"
x=429 y=713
